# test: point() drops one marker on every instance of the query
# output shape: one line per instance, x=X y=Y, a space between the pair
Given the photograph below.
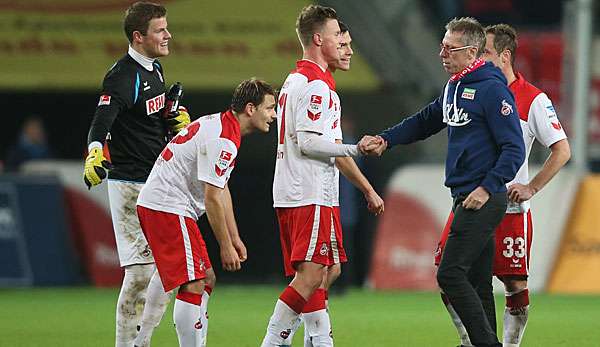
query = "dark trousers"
x=465 y=271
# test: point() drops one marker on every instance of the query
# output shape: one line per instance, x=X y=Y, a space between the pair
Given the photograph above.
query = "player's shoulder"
x=221 y=127
x=124 y=68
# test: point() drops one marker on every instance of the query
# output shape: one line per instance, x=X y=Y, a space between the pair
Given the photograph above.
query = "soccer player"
x=485 y=150
x=188 y=179
x=130 y=109
x=305 y=187
x=514 y=234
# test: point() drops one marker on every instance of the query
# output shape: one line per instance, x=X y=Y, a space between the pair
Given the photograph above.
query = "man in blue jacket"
x=485 y=150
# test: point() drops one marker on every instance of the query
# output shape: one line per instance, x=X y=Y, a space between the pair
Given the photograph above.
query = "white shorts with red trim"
x=178 y=247
x=310 y=233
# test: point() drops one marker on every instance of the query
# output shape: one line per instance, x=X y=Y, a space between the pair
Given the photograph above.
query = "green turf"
x=239 y=315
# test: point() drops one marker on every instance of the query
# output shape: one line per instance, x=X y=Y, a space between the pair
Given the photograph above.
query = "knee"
x=196 y=287
x=311 y=275
x=446 y=278
x=211 y=278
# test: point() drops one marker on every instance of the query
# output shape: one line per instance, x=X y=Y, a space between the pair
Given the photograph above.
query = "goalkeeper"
x=129 y=120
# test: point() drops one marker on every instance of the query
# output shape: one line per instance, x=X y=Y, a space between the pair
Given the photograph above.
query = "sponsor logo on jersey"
x=551 y=110
x=314 y=116
x=506 y=108
x=155 y=104
x=104 y=100
x=315 y=103
x=146 y=86
x=223 y=163
x=468 y=93
x=456 y=119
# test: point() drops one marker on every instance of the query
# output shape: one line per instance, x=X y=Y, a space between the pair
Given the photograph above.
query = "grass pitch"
x=239 y=315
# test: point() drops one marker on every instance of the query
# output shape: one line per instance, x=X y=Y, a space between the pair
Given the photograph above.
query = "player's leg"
x=135 y=257
x=470 y=245
x=187 y=313
x=157 y=301
x=209 y=285
x=460 y=328
x=511 y=266
x=292 y=300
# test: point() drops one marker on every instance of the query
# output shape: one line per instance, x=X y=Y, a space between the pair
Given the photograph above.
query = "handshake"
x=372 y=145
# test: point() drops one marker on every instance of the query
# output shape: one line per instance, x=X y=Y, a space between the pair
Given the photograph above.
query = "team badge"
x=468 y=93
x=104 y=100
x=198 y=325
x=223 y=163
x=506 y=108
x=324 y=249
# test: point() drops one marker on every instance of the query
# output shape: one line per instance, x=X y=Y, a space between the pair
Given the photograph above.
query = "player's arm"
x=215 y=211
x=232 y=228
x=314 y=145
x=351 y=171
x=116 y=96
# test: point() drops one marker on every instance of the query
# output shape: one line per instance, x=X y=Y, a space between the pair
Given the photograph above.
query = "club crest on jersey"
x=468 y=93
x=314 y=116
x=155 y=104
x=223 y=163
x=104 y=100
x=506 y=108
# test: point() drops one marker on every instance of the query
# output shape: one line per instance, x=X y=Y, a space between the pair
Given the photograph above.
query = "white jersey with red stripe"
x=307 y=102
x=335 y=133
x=203 y=152
x=539 y=121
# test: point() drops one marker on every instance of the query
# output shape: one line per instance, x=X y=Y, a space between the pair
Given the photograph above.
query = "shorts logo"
x=324 y=249
x=104 y=100
x=285 y=334
x=506 y=108
x=223 y=163
x=155 y=104
x=198 y=325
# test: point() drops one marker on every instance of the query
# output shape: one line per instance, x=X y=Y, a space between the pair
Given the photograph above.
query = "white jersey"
x=539 y=121
x=335 y=133
x=203 y=152
x=307 y=102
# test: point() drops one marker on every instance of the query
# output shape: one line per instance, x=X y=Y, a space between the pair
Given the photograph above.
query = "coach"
x=485 y=150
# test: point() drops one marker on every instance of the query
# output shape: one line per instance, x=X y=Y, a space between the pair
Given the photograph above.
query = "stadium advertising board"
x=69 y=44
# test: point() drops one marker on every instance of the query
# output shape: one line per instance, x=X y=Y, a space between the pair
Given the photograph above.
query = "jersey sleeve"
x=119 y=91
x=216 y=170
x=336 y=128
x=311 y=107
x=543 y=121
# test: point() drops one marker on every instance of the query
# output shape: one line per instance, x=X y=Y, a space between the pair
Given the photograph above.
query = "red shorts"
x=513 y=244
x=310 y=233
x=178 y=248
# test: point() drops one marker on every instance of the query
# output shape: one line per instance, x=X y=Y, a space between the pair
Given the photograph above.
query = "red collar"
x=474 y=66
x=313 y=72
x=231 y=127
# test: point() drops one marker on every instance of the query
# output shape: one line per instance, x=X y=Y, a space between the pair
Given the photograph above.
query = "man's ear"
x=506 y=57
x=317 y=39
x=137 y=37
x=249 y=109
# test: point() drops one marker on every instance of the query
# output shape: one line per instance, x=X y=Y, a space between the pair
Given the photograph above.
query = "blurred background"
x=54 y=232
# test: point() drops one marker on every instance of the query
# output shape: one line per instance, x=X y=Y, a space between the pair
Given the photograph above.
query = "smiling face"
x=155 y=43
x=264 y=114
x=345 y=52
x=455 y=54
x=328 y=38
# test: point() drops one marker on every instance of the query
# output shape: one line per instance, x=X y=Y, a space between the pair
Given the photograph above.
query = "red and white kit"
x=305 y=189
x=539 y=121
x=172 y=199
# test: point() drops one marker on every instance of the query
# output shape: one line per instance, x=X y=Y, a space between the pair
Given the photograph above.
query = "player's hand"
x=476 y=199
x=240 y=248
x=374 y=203
x=520 y=192
x=178 y=120
x=372 y=145
x=95 y=167
x=230 y=258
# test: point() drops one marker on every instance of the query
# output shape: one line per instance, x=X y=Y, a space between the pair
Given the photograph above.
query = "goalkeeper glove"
x=178 y=120
x=95 y=167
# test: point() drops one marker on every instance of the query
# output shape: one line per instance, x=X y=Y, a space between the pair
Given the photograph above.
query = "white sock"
x=460 y=328
x=307 y=341
x=280 y=325
x=187 y=323
x=157 y=302
x=204 y=318
x=514 y=326
x=131 y=301
x=318 y=326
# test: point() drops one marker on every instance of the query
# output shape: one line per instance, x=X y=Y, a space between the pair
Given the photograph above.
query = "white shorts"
x=131 y=243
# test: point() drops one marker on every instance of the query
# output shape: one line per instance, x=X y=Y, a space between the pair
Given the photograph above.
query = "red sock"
x=316 y=302
x=293 y=299
x=192 y=298
x=521 y=299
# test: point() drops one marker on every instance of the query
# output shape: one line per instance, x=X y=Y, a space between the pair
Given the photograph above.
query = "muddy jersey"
x=204 y=152
x=539 y=121
x=129 y=108
x=305 y=104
